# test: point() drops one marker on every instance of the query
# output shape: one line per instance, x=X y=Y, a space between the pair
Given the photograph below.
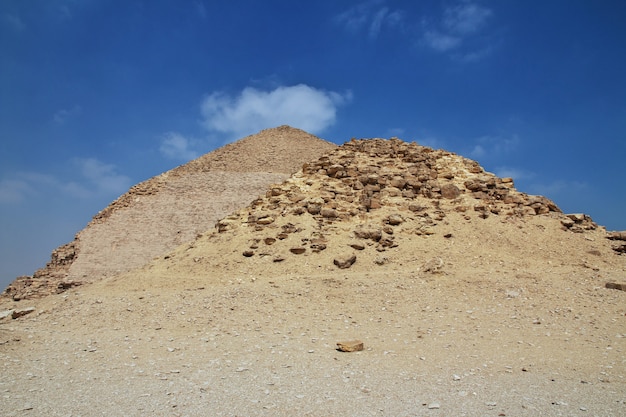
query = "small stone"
x=328 y=213
x=615 y=286
x=298 y=250
x=265 y=220
x=5 y=314
x=350 y=346
x=434 y=406
x=345 y=262
x=395 y=220
x=450 y=191
x=22 y=312
x=248 y=253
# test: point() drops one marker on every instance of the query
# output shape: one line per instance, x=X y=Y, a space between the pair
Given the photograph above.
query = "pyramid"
x=379 y=203
x=157 y=215
x=381 y=278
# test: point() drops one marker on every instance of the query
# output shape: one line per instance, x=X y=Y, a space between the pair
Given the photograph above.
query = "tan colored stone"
x=350 y=346
x=344 y=262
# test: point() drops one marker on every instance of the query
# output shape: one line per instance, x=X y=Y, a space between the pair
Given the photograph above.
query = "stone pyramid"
x=157 y=215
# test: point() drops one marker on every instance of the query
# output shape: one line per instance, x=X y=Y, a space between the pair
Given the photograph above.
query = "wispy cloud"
x=459 y=25
x=515 y=173
x=465 y=18
x=557 y=188
x=441 y=42
x=14 y=190
x=200 y=9
x=63 y=115
x=12 y=22
x=102 y=177
x=95 y=178
x=489 y=147
x=370 y=16
x=252 y=110
x=395 y=132
x=176 y=146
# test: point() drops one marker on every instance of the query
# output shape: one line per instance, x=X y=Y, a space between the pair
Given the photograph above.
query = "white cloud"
x=440 y=42
x=94 y=178
x=12 y=22
x=13 y=190
x=200 y=9
x=466 y=18
x=515 y=173
x=558 y=188
x=494 y=146
x=63 y=115
x=252 y=110
x=369 y=15
x=395 y=132
x=460 y=25
x=176 y=146
x=104 y=177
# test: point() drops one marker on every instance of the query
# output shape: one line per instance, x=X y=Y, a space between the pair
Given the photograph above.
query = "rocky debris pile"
x=380 y=191
x=620 y=239
x=48 y=280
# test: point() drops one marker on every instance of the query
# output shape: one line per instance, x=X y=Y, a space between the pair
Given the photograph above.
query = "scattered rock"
x=345 y=262
x=298 y=250
x=395 y=219
x=248 y=253
x=433 y=266
x=381 y=260
x=350 y=346
x=20 y=312
x=6 y=313
x=450 y=191
x=615 y=286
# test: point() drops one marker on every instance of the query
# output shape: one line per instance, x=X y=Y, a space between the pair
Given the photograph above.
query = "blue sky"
x=98 y=95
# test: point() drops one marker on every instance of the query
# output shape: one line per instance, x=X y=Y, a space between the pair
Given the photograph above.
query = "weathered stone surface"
x=265 y=220
x=328 y=213
x=350 y=346
x=395 y=219
x=344 y=262
x=616 y=235
x=450 y=191
x=20 y=312
x=374 y=234
x=616 y=286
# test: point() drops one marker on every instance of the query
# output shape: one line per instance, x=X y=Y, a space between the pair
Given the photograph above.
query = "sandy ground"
x=486 y=335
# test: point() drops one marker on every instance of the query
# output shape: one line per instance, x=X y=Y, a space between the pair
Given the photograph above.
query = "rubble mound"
x=376 y=202
x=165 y=211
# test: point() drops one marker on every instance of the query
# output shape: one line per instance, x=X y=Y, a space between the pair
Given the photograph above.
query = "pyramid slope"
x=389 y=204
x=165 y=211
